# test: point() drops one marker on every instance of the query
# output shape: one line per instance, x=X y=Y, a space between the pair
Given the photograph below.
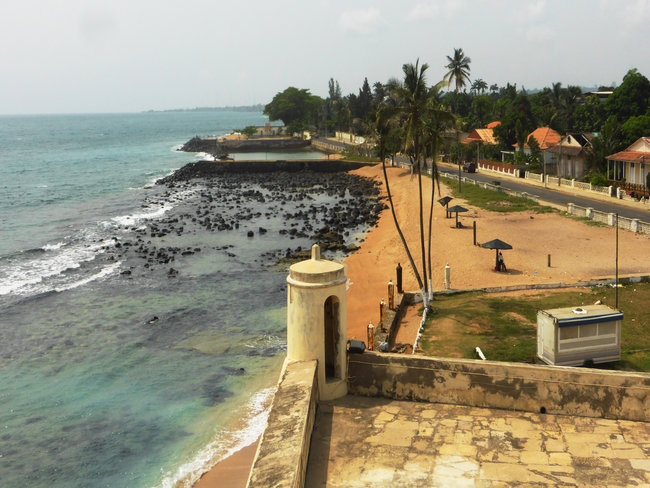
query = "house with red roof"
x=632 y=165
x=482 y=136
x=546 y=138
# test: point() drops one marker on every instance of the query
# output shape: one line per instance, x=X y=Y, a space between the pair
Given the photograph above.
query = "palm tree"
x=459 y=74
x=479 y=85
x=412 y=96
x=385 y=120
x=419 y=112
x=436 y=120
x=458 y=67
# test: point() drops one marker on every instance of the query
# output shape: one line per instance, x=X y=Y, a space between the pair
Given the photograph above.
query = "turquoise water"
x=113 y=373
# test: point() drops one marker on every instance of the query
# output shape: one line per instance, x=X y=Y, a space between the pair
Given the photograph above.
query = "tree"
x=361 y=105
x=412 y=98
x=608 y=141
x=436 y=120
x=517 y=123
x=481 y=111
x=418 y=111
x=458 y=67
x=479 y=86
x=458 y=73
x=248 y=131
x=294 y=106
x=630 y=99
x=635 y=127
x=384 y=126
x=589 y=116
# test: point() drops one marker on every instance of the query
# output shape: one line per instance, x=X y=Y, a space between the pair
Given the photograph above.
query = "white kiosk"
x=577 y=336
x=316 y=320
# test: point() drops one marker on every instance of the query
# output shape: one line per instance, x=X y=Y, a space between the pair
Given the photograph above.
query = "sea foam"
x=226 y=444
x=24 y=277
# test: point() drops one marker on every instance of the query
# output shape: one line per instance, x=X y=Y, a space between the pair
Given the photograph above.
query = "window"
x=588 y=336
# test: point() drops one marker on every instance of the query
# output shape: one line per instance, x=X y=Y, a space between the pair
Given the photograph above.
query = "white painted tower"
x=316 y=320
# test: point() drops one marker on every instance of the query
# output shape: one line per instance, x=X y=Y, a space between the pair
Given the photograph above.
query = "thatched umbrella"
x=444 y=201
x=457 y=208
x=498 y=245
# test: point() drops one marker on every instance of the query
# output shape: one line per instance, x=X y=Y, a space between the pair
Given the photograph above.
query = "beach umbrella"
x=444 y=201
x=457 y=208
x=498 y=245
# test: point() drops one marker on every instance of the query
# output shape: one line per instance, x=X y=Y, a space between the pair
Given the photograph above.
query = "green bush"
x=598 y=179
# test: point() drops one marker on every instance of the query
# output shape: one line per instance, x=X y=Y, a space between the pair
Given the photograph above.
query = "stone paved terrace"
x=361 y=441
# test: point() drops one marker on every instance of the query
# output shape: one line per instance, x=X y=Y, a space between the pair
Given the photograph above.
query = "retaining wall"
x=530 y=388
x=207 y=169
x=283 y=451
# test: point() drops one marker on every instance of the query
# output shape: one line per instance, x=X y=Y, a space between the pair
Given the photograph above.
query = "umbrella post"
x=497 y=260
x=474 y=226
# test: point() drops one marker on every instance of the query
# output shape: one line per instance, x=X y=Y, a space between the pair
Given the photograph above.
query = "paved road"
x=560 y=198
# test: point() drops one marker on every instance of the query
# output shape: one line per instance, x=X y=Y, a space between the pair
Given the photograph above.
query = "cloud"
x=97 y=25
x=360 y=21
x=535 y=9
x=540 y=33
x=423 y=11
x=634 y=14
x=431 y=10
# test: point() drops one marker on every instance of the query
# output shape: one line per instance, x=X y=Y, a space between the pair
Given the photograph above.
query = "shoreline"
x=232 y=471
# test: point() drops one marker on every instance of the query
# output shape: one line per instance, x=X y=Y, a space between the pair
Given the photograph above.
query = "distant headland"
x=241 y=108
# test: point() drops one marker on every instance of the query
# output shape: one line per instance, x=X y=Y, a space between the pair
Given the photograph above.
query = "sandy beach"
x=579 y=252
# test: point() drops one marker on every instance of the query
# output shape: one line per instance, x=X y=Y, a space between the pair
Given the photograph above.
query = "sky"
x=95 y=56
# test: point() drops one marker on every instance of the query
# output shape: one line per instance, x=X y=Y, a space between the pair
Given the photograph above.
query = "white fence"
x=633 y=225
x=503 y=171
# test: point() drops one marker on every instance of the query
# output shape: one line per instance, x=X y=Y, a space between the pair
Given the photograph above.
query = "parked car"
x=469 y=167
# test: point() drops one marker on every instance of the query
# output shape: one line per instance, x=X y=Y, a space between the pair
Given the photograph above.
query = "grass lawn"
x=505 y=329
x=493 y=200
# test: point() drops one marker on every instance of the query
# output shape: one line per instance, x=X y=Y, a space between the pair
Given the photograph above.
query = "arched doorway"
x=331 y=310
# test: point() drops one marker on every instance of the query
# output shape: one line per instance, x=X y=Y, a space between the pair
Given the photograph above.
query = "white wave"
x=42 y=185
x=130 y=220
x=226 y=444
x=27 y=277
x=106 y=271
x=154 y=180
x=53 y=247
x=201 y=156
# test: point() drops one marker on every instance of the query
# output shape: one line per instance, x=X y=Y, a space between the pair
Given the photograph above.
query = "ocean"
x=137 y=342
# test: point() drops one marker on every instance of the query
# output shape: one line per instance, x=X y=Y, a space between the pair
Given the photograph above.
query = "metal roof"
x=583 y=315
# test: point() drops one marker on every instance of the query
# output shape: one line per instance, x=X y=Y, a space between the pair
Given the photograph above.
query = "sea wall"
x=283 y=451
x=530 y=388
x=212 y=146
x=208 y=169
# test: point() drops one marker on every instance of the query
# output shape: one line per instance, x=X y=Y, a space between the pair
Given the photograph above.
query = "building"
x=546 y=138
x=572 y=152
x=268 y=130
x=480 y=137
x=631 y=167
x=579 y=336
